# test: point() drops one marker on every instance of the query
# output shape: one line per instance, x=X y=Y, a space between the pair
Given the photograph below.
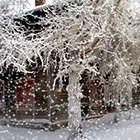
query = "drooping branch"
x=96 y=40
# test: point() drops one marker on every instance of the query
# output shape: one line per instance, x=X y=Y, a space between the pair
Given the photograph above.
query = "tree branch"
x=96 y=40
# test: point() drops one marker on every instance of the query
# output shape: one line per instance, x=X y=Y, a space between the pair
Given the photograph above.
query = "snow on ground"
x=95 y=129
x=103 y=129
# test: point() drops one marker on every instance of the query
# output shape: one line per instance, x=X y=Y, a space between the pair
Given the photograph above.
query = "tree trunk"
x=118 y=113
x=130 y=110
x=130 y=102
x=74 y=106
x=118 y=110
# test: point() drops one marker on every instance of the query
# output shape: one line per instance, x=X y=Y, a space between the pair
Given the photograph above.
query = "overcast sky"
x=48 y=1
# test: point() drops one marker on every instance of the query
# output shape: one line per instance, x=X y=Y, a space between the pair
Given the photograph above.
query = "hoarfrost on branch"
x=76 y=33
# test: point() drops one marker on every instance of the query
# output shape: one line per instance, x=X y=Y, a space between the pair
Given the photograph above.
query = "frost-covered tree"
x=75 y=32
x=14 y=47
x=121 y=59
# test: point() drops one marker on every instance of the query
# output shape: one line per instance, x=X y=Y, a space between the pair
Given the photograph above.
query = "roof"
x=31 y=21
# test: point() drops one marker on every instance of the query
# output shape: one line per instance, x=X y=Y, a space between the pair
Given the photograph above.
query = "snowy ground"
x=96 y=129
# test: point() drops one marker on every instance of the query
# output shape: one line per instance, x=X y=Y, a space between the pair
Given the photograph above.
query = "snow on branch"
x=77 y=33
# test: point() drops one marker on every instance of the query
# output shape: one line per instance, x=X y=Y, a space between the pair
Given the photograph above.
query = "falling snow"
x=70 y=70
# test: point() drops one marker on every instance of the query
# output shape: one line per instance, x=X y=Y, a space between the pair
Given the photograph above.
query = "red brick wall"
x=39 y=2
